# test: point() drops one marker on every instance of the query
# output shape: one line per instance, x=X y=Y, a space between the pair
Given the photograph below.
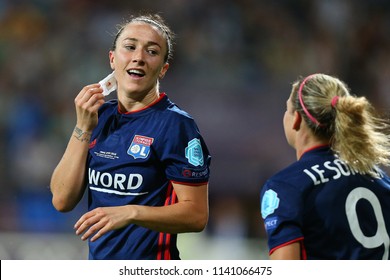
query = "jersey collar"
x=161 y=97
x=324 y=147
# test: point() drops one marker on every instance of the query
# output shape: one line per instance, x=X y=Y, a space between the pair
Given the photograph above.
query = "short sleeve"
x=282 y=212
x=184 y=153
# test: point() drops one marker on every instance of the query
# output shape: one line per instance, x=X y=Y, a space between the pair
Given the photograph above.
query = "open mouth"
x=136 y=73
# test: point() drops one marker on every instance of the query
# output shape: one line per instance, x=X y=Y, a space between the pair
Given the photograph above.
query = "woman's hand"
x=100 y=220
x=87 y=103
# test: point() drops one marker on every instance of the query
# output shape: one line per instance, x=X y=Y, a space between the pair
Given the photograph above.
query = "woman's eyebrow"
x=148 y=43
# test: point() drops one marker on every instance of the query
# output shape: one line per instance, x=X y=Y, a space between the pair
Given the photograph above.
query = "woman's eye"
x=130 y=47
x=152 y=52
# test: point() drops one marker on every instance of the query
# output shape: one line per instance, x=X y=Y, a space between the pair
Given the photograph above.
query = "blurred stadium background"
x=233 y=65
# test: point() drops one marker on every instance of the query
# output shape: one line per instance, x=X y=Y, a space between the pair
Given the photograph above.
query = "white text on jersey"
x=114 y=183
x=316 y=172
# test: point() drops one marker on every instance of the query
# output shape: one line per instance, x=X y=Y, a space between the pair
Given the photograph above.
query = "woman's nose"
x=138 y=56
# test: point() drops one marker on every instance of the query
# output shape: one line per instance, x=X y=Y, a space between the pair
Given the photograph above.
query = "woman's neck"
x=136 y=102
x=308 y=144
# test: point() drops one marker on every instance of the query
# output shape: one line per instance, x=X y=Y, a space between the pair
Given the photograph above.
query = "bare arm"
x=289 y=252
x=190 y=214
x=68 y=179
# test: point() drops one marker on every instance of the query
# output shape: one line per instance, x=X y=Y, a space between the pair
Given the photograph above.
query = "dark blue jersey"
x=333 y=212
x=133 y=159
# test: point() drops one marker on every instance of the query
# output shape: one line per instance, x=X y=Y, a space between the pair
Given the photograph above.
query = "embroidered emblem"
x=194 y=152
x=269 y=203
x=140 y=146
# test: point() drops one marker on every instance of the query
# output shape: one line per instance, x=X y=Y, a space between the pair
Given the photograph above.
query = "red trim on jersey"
x=160 y=245
x=162 y=95
x=303 y=251
x=164 y=239
x=300 y=239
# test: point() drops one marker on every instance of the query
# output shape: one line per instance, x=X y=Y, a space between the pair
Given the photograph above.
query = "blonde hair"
x=354 y=130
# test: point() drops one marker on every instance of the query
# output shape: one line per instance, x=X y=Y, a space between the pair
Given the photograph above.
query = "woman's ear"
x=297 y=120
x=111 y=58
x=163 y=70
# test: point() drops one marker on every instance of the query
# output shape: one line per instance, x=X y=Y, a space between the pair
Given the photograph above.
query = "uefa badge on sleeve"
x=140 y=147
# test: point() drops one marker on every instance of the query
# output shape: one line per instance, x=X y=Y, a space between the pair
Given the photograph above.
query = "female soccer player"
x=334 y=201
x=141 y=158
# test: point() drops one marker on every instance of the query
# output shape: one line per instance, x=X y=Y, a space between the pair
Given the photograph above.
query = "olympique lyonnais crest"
x=140 y=146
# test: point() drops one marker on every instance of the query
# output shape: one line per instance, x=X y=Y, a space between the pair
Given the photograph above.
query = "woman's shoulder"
x=292 y=175
x=175 y=111
x=174 y=115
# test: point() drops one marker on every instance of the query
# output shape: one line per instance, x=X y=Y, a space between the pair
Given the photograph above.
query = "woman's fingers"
x=87 y=103
x=89 y=95
x=99 y=221
x=88 y=224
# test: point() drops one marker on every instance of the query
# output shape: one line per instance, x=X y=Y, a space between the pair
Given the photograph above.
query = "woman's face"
x=138 y=59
